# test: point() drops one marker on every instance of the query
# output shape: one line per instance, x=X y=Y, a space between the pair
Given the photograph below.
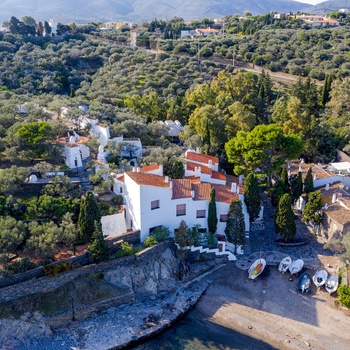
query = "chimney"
x=166 y=179
x=237 y=190
x=315 y=177
x=161 y=169
x=171 y=185
x=138 y=169
x=327 y=187
x=233 y=187
x=240 y=179
x=198 y=150
x=300 y=169
x=134 y=169
x=334 y=198
x=193 y=193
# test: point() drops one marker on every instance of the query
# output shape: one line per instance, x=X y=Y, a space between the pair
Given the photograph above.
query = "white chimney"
x=327 y=187
x=138 y=169
x=134 y=169
x=193 y=193
x=237 y=190
x=300 y=169
x=161 y=169
x=166 y=179
x=334 y=198
x=233 y=187
x=171 y=185
x=198 y=150
x=240 y=179
x=315 y=177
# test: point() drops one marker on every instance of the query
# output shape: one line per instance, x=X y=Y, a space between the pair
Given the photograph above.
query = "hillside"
x=138 y=10
x=329 y=6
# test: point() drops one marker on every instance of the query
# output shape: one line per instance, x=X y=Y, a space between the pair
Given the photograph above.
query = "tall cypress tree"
x=326 y=89
x=89 y=213
x=309 y=182
x=212 y=215
x=284 y=218
x=99 y=250
x=284 y=178
x=296 y=185
x=235 y=226
x=252 y=196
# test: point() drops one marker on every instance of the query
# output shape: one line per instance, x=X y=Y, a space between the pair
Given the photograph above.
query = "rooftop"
x=150 y=167
x=201 y=158
x=72 y=140
x=144 y=179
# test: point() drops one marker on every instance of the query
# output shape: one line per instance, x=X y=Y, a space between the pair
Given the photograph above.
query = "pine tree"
x=89 y=213
x=284 y=218
x=252 y=196
x=296 y=185
x=309 y=182
x=235 y=226
x=99 y=250
x=212 y=215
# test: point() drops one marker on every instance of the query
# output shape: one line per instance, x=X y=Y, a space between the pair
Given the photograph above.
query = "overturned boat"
x=296 y=266
x=256 y=268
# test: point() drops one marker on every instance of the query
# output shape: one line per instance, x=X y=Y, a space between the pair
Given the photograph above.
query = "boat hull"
x=284 y=264
x=320 y=278
x=304 y=284
x=256 y=268
x=296 y=266
x=331 y=284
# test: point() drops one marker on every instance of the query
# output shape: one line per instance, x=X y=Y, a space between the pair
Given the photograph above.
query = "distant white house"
x=207 y=31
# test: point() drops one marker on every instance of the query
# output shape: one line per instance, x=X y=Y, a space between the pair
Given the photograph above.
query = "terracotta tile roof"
x=204 y=170
x=150 y=167
x=217 y=175
x=224 y=194
x=144 y=179
x=207 y=30
x=338 y=213
x=121 y=178
x=202 y=191
x=201 y=158
x=319 y=170
x=181 y=188
x=194 y=179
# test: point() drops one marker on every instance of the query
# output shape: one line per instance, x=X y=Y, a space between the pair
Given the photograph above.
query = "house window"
x=120 y=189
x=181 y=209
x=155 y=204
x=200 y=214
x=131 y=223
x=223 y=218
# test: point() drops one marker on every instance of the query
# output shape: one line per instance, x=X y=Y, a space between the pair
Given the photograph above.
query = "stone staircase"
x=217 y=251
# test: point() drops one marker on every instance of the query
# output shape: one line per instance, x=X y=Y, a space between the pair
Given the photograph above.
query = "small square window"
x=223 y=218
x=155 y=204
x=200 y=214
x=181 y=209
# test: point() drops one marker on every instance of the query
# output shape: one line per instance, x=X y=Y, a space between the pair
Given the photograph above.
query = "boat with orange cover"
x=256 y=268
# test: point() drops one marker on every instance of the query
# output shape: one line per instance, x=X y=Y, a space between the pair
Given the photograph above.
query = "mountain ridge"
x=137 y=10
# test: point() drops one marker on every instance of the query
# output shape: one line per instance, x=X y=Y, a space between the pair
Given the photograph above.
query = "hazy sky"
x=313 y=2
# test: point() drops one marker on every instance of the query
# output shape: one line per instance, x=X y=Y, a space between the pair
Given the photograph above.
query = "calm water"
x=195 y=333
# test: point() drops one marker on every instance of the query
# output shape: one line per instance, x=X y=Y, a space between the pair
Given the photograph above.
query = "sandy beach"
x=271 y=313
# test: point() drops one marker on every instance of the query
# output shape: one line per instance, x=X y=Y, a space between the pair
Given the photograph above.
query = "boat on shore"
x=332 y=283
x=296 y=266
x=284 y=264
x=304 y=284
x=256 y=268
x=320 y=278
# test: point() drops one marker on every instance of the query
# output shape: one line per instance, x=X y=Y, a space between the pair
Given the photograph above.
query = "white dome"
x=33 y=178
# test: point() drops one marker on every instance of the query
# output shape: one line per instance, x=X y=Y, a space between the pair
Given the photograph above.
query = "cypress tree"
x=212 y=216
x=326 y=89
x=284 y=218
x=284 y=178
x=99 y=250
x=252 y=196
x=89 y=213
x=309 y=182
x=235 y=226
x=296 y=185
x=312 y=211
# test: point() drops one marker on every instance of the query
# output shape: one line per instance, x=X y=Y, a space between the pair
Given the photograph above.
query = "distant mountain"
x=81 y=11
x=328 y=6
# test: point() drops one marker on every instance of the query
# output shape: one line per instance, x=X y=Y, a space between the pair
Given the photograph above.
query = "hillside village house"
x=319 y=21
x=151 y=199
x=334 y=182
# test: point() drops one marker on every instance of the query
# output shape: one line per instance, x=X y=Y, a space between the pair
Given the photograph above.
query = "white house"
x=75 y=150
x=207 y=31
x=151 y=200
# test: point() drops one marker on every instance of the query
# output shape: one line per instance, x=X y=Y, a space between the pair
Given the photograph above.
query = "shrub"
x=54 y=270
x=126 y=250
x=344 y=295
x=160 y=233
x=150 y=241
x=20 y=266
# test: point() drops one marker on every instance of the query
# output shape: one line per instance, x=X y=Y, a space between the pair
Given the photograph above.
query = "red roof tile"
x=202 y=191
x=201 y=158
x=218 y=175
x=224 y=194
x=204 y=170
x=144 y=179
x=182 y=188
x=150 y=167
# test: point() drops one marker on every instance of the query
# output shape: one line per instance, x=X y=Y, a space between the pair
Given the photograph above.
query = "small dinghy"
x=284 y=264
x=320 y=278
x=256 y=268
x=296 y=266
x=332 y=283
x=304 y=283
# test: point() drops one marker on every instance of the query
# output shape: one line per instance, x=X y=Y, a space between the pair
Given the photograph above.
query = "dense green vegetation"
x=254 y=124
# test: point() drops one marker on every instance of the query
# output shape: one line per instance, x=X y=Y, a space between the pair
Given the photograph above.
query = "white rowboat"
x=256 y=268
x=332 y=283
x=320 y=278
x=284 y=264
x=296 y=266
